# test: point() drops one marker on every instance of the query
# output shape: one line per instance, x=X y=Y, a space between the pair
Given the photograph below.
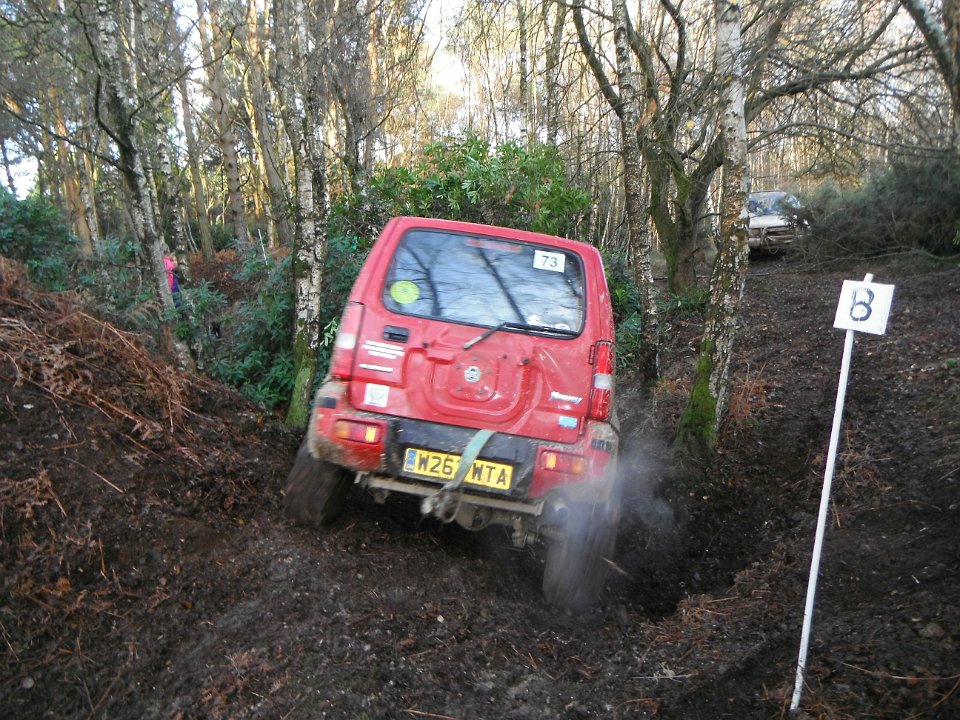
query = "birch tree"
x=671 y=92
x=43 y=95
x=491 y=40
x=647 y=364
x=373 y=59
x=524 y=80
x=299 y=39
x=117 y=114
x=121 y=114
x=697 y=432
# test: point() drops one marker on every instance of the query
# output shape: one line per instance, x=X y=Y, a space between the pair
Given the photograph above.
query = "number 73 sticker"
x=864 y=307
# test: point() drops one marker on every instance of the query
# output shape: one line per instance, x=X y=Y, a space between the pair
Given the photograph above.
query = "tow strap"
x=442 y=503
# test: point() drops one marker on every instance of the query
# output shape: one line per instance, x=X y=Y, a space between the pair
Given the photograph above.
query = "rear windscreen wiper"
x=508 y=325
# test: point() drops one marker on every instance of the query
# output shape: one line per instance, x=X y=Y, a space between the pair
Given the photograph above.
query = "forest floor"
x=147 y=572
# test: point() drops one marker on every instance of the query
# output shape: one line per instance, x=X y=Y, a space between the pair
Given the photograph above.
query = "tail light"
x=563 y=462
x=357 y=431
x=341 y=363
x=601 y=394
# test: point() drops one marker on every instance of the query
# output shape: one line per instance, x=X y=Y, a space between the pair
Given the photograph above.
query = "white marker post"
x=864 y=307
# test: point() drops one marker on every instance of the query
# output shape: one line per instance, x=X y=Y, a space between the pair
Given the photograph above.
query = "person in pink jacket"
x=173 y=281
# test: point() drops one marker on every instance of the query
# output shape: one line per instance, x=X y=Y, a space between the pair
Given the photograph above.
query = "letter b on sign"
x=864 y=307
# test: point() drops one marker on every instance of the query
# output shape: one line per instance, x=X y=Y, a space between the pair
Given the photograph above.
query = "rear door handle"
x=396 y=334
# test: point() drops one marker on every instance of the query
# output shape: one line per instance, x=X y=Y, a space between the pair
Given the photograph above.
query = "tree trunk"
x=552 y=70
x=213 y=59
x=526 y=119
x=171 y=206
x=951 y=22
x=11 y=185
x=48 y=175
x=375 y=133
x=88 y=198
x=308 y=282
x=68 y=172
x=700 y=422
x=259 y=100
x=665 y=166
x=196 y=178
x=647 y=357
x=311 y=200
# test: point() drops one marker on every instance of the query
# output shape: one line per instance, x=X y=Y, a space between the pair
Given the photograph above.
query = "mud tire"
x=576 y=568
x=314 y=491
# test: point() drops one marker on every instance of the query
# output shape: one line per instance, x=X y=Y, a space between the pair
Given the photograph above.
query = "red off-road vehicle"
x=474 y=369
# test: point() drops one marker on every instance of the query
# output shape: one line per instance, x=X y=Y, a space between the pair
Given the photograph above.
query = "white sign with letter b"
x=864 y=307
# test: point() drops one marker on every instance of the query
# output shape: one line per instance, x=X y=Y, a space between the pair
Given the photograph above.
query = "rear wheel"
x=577 y=567
x=315 y=490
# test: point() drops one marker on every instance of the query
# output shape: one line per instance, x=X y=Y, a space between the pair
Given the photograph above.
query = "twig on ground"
x=421 y=713
x=907 y=678
x=94 y=472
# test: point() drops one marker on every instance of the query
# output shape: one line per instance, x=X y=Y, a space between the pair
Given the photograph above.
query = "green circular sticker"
x=404 y=292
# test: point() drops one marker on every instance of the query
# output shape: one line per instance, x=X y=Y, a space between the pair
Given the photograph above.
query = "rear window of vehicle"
x=485 y=281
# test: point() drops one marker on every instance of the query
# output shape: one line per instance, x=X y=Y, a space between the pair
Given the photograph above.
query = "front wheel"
x=315 y=490
x=577 y=561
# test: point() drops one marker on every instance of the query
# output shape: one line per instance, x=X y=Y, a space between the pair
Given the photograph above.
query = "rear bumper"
x=406 y=486
x=380 y=463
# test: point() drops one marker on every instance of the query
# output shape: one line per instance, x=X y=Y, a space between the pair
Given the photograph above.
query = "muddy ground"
x=147 y=573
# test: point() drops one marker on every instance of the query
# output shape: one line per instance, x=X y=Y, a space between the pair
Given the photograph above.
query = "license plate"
x=443 y=466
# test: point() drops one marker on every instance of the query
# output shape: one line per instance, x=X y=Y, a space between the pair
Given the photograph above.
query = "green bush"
x=628 y=342
x=198 y=321
x=685 y=306
x=253 y=353
x=116 y=280
x=33 y=232
x=912 y=205
x=467 y=179
x=624 y=295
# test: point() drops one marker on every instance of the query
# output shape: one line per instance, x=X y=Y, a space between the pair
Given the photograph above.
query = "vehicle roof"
x=405 y=223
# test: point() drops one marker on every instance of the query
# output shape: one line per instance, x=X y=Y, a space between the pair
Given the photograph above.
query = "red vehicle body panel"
x=540 y=392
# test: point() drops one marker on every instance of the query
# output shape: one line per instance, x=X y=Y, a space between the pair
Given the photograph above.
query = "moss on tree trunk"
x=305 y=364
x=697 y=429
